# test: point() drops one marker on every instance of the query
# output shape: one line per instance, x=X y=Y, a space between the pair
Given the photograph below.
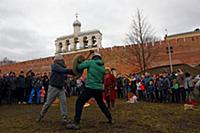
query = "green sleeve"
x=83 y=65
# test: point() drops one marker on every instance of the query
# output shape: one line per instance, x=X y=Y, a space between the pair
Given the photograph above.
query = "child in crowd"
x=175 y=91
x=133 y=99
x=151 y=91
x=36 y=86
x=42 y=95
x=139 y=91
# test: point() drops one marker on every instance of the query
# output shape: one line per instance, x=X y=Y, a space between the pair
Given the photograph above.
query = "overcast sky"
x=28 y=28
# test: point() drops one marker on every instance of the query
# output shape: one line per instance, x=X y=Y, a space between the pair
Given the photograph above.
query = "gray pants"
x=54 y=92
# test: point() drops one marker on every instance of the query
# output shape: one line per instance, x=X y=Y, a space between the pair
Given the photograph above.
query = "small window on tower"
x=76 y=41
x=67 y=42
x=68 y=45
x=85 y=42
x=94 y=41
x=60 y=46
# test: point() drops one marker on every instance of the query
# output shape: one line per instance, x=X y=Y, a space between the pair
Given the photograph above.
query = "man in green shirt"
x=93 y=88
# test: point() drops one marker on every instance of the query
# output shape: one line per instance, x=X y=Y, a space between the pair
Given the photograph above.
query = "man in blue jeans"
x=93 y=88
x=36 y=86
x=56 y=83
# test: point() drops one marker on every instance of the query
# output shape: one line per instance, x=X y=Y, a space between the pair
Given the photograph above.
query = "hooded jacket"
x=58 y=73
x=95 y=73
x=188 y=83
x=21 y=82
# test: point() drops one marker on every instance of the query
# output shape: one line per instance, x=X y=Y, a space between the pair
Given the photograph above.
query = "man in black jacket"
x=28 y=85
x=21 y=87
x=1 y=87
x=11 y=83
x=56 y=83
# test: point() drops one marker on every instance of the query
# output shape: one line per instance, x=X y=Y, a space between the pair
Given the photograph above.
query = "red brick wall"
x=122 y=58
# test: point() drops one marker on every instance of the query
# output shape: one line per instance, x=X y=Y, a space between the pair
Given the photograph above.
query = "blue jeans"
x=32 y=94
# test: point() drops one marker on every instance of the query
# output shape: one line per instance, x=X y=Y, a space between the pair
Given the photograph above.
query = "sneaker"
x=74 y=126
x=110 y=121
x=66 y=120
x=39 y=118
x=86 y=105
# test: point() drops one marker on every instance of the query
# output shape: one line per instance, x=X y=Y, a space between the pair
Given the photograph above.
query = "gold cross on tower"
x=76 y=16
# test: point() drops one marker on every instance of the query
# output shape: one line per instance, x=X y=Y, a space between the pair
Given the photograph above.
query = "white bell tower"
x=77 y=26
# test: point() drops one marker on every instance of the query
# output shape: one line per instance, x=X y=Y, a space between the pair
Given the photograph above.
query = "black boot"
x=74 y=126
x=110 y=121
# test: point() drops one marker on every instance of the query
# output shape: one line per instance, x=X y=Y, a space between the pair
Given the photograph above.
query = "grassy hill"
x=184 y=67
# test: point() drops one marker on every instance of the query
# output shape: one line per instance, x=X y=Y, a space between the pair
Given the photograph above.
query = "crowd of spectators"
x=30 y=87
x=176 y=87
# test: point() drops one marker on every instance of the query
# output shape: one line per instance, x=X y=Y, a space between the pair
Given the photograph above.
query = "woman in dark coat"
x=11 y=87
x=21 y=87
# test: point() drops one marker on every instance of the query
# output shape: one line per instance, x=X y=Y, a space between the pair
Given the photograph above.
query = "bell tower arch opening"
x=68 y=45
x=60 y=45
x=85 y=42
x=77 y=44
x=94 y=41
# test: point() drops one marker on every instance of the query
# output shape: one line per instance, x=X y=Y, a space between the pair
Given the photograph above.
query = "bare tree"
x=142 y=36
x=6 y=61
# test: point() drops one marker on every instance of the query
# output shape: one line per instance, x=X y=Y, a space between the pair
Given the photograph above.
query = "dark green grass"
x=129 y=118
